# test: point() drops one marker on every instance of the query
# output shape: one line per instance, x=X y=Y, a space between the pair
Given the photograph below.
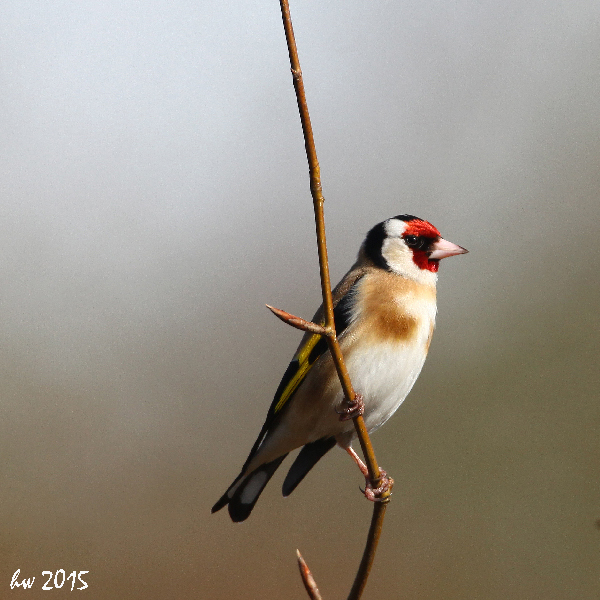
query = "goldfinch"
x=384 y=311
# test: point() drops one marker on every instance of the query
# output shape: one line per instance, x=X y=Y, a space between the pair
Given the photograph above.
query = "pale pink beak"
x=443 y=248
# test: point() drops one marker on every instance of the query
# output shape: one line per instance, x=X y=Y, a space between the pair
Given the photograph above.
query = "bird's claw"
x=382 y=492
x=351 y=409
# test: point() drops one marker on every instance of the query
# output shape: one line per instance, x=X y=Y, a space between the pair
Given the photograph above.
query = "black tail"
x=241 y=497
x=305 y=461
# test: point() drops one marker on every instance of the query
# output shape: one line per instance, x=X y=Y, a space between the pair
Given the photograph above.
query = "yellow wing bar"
x=303 y=368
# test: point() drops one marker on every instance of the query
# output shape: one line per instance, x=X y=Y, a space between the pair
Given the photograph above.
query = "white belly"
x=384 y=377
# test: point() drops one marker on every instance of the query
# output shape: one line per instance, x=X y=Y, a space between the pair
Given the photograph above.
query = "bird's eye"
x=414 y=241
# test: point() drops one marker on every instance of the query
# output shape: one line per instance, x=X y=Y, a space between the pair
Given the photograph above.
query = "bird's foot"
x=382 y=492
x=351 y=409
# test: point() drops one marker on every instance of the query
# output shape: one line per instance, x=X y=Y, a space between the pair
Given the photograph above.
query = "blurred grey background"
x=154 y=195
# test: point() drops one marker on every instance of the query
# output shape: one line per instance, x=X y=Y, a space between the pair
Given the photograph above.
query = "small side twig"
x=299 y=322
x=307 y=579
x=328 y=328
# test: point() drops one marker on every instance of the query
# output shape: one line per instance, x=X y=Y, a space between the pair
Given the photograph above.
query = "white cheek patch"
x=398 y=256
x=394 y=251
x=253 y=487
x=395 y=228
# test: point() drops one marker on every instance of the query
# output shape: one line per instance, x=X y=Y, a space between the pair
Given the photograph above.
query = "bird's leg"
x=351 y=409
x=385 y=482
x=359 y=463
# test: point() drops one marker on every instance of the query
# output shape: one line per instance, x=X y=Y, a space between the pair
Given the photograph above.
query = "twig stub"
x=309 y=582
x=300 y=323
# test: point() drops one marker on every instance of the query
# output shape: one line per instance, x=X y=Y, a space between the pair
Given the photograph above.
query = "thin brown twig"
x=318 y=201
x=360 y=581
x=298 y=322
x=307 y=579
x=329 y=326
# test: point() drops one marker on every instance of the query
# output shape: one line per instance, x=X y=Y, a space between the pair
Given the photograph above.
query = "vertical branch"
x=360 y=581
x=318 y=202
x=313 y=169
x=329 y=328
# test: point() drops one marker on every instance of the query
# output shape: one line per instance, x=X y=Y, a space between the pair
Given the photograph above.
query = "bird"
x=384 y=311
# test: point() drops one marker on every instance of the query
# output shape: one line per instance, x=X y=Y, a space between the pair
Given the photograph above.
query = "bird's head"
x=408 y=246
